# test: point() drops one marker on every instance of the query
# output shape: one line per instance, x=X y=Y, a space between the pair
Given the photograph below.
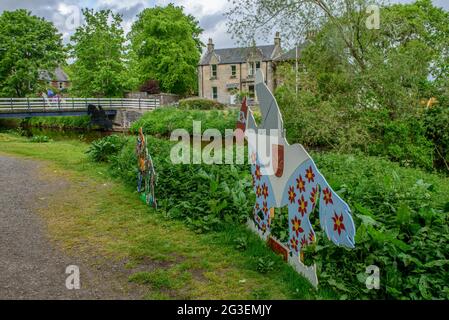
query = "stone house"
x=59 y=79
x=224 y=72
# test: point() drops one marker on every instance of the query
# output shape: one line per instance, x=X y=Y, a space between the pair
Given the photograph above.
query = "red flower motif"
x=294 y=244
x=304 y=241
x=313 y=196
x=311 y=237
x=300 y=184
x=296 y=226
x=253 y=180
x=310 y=176
x=302 y=206
x=263 y=227
x=265 y=208
x=338 y=223
x=257 y=172
x=265 y=191
x=257 y=207
x=257 y=218
x=258 y=191
x=327 y=195
x=291 y=194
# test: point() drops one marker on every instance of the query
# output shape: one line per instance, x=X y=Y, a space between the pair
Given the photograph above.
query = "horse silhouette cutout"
x=285 y=175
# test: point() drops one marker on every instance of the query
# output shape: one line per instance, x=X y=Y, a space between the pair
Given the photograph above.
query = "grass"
x=98 y=215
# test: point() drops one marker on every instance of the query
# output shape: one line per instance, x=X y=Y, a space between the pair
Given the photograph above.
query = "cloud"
x=209 y=13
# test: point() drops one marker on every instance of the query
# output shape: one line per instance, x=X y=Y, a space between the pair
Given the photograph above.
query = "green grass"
x=401 y=216
x=100 y=215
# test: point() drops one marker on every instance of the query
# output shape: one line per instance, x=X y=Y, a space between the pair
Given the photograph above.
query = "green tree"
x=98 y=50
x=165 y=46
x=28 y=45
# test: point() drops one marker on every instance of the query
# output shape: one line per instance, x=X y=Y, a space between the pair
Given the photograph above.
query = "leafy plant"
x=104 y=149
x=265 y=265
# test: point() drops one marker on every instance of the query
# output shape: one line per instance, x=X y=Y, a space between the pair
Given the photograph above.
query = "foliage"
x=373 y=105
x=60 y=122
x=151 y=87
x=401 y=215
x=437 y=130
x=28 y=45
x=103 y=149
x=200 y=104
x=265 y=265
x=163 y=121
x=40 y=139
x=99 y=52
x=165 y=46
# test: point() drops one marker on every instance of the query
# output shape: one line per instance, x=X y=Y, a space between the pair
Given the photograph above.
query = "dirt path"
x=31 y=267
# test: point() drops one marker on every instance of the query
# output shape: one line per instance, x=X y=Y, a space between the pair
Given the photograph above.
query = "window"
x=61 y=85
x=214 y=71
x=233 y=71
x=251 y=91
x=214 y=93
x=253 y=67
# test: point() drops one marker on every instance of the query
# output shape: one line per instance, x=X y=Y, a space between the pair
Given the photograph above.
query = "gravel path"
x=30 y=266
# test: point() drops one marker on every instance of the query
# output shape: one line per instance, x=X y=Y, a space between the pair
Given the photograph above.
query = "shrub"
x=437 y=130
x=162 y=122
x=104 y=149
x=200 y=104
x=151 y=87
x=401 y=215
x=61 y=122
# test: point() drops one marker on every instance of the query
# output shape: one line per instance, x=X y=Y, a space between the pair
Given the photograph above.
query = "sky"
x=65 y=13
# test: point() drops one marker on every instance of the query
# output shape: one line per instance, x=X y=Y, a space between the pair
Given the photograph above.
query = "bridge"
x=108 y=113
x=41 y=107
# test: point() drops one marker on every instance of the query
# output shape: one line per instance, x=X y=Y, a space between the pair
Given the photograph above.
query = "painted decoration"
x=287 y=177
x=146 y=177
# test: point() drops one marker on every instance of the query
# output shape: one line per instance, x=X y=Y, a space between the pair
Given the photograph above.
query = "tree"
x=98 y=48
x=165 y=46
x=28 y=45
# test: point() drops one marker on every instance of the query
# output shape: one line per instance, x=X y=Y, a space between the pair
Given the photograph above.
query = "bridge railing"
x=13 y=105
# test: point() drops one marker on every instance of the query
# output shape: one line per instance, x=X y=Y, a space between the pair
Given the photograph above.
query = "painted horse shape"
x=287 y=176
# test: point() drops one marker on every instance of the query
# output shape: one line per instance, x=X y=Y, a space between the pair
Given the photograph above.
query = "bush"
x=61 y=122
x=162 y=122
x=104 y=149
x=205 y=197
x=437 y=130
x=151 y=87
x=200 y=104
x=401 y=215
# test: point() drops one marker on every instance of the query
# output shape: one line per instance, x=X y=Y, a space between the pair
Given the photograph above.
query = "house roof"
x=59 y=75
x=290 y=54
x=238 y=55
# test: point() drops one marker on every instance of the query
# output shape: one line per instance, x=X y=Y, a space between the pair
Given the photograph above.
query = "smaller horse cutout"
x=146 y=174
x=287 y=176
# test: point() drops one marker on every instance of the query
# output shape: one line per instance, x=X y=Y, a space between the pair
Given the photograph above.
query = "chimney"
x=277 y=40
x=210 y=46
